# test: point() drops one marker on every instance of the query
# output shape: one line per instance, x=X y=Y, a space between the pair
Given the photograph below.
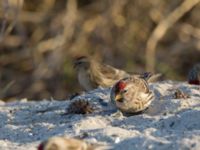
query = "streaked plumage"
x=92 y=74
x=131 y=95
x=194 y=75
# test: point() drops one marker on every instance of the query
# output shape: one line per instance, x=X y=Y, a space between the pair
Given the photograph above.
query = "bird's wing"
x=143 y=95
x=154 y=78
x=105 y=75
x=140 y=84
x=112 y=73
x=149 y=77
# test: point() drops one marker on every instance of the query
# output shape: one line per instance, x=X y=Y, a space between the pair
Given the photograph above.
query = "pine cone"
x=80 y=107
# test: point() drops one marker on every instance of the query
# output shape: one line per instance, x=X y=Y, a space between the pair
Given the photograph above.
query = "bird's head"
x=53 y=143
x=120 y=90
x=81 y=62
x=194 y=75
x=41 y=146
x=195 y=82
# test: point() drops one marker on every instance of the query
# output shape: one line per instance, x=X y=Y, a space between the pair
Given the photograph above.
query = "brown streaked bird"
x=63 y=143
x=194 y=75
x=131 y=95
x=92 y=74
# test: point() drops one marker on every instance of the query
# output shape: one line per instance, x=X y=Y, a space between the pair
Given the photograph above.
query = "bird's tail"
x=150 y=77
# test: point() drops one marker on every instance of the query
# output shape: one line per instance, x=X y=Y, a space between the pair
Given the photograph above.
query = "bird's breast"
x=84 y=80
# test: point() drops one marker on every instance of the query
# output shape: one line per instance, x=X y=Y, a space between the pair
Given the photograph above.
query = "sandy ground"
x=170 y=122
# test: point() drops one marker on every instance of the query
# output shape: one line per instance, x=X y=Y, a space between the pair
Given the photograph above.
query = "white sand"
x=168 y=124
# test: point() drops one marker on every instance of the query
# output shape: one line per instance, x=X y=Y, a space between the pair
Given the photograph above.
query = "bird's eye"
x=78 y=63
x=124 y=91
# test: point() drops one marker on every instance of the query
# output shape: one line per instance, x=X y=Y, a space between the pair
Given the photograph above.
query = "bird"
x=63 y=143
x=131 y=95
x=194 y=75
x=92 y=74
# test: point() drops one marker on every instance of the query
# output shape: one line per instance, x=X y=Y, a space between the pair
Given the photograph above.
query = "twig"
x=17 y=7
x=162 y=28
x=8 y=5
x=4 y=22
x=68 y=23
x=6 y=88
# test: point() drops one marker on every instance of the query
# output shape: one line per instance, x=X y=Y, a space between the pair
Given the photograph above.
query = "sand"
x=171 y=122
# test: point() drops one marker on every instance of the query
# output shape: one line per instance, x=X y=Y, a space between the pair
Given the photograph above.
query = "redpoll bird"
x=131 y=95
x=62 y=143
x=194 y=75
x=92 y=74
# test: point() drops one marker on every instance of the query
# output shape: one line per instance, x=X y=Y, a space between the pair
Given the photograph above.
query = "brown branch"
x=14 y=7
x=68 y=23
x=162 y=28
x=4 y=22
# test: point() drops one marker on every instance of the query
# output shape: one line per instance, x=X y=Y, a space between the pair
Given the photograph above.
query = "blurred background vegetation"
x=39 y=38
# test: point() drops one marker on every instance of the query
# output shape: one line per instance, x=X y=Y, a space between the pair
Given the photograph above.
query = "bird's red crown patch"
x=121 y=85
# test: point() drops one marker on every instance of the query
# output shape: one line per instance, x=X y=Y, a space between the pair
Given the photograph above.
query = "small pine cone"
x=80 y=107
x=180 y=95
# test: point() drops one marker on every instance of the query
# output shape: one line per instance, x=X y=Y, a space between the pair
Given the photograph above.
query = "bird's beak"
x=74 y=66
x=118 y=97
